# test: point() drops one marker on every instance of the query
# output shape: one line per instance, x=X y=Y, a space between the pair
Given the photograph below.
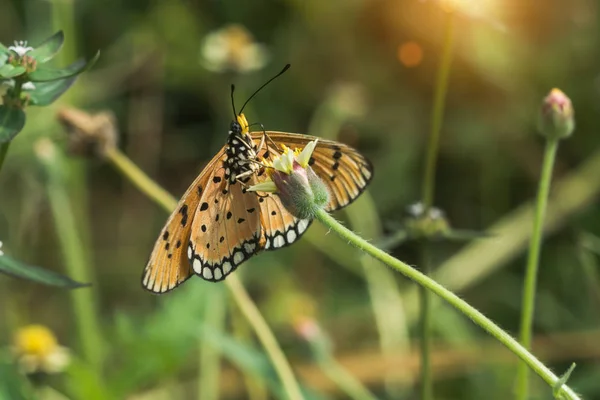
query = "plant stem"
x=428 y=195
x=455 y=301
x=425 y=298
x=529 y=288
x=437 y=115
x=210 y=357
x=351 y=386
x=3 y=150
x=241 y=297
x=86 y=316
x=140 y=179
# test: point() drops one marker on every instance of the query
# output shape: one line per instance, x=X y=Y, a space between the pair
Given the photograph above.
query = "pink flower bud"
x=556 y=120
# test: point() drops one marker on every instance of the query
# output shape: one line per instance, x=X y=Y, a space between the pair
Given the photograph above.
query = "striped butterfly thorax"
x=218 y=224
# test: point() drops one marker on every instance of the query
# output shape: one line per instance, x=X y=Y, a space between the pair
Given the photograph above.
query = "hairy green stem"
x=241 y=297
x=426 y=318
x=423 y=280
x=529 y=288
x=437 y=115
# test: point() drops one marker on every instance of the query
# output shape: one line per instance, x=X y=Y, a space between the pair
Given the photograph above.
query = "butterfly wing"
x=345 y=171
x=279 y=227
x=168 y=266
x=226 y=227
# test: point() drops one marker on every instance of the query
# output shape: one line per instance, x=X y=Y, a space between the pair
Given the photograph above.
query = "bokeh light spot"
x=410 y=54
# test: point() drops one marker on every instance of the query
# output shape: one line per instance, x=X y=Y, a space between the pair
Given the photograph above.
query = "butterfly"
x=218 y=224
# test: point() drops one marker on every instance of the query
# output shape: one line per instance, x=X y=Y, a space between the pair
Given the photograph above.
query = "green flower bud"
x=556 y=119
x=296 y=191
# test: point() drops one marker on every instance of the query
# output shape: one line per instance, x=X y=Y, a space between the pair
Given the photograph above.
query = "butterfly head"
x=240 y=125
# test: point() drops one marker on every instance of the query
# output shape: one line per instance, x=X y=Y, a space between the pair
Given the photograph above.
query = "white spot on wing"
x=268 y=244
x=238 y=257
x=291 y=236
x=302 y=225
x=197 y=266
x=249 y=247
x=278 y=241
x=207 y=273
x=218 y=273
x=190 y=252
x=227 y=267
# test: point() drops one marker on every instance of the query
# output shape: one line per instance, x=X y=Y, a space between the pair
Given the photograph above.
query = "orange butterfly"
x=217 y=224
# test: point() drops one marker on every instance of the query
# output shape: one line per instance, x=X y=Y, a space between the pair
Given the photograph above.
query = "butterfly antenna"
x=287 y=66
x=232 y=101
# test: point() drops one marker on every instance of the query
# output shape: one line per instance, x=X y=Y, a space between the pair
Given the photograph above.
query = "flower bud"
x=556 y=119
x=422 y=223
x=295 y=191
x=301 y=191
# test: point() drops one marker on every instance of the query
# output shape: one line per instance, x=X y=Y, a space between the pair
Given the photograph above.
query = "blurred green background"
x=363 y=72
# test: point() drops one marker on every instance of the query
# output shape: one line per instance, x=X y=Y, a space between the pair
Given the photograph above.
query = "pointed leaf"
x=42 y=74
x=13 y=385
x=12 y=121
x=48 y=49
x=46 y=93
x=10 y=266
x=9 y=71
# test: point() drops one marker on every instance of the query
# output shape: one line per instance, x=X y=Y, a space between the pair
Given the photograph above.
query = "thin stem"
x=266 y=337
x=425 y=297
x=437 y=114
x=455 y=301
x=351 y=386
x=141 y=180
x=3 y=150
x=210 y=357
x=533 y=258
x=241 y=297
x=86 y=315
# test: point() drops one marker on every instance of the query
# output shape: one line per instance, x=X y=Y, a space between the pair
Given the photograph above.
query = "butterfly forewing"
x=168 y=265
x=226 y=228
x=344 y=170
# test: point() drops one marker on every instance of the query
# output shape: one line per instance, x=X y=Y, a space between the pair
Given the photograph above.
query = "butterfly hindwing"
x=279 y=227
x=343 y=169
x=168 y=266
x=225 y=229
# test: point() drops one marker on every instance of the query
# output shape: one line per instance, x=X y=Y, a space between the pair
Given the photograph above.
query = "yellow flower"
x=232 y=48
x=37 y=350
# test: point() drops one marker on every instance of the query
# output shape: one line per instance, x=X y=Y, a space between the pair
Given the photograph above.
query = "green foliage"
x=12 y=121
x=42 y=74
x=10 y=266
x=22 y=66
x=48 y=49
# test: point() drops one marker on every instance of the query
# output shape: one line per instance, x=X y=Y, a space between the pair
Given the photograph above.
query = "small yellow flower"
x=232 y=48
x=37 y=350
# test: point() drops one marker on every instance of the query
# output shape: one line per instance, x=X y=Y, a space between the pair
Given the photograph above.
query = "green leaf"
x=10 y=266
x=46 y=93
x=48 y=49
x=13 y=385
x=52 y=74
x=10 y=71
x=3 y=49
x=12 y=121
